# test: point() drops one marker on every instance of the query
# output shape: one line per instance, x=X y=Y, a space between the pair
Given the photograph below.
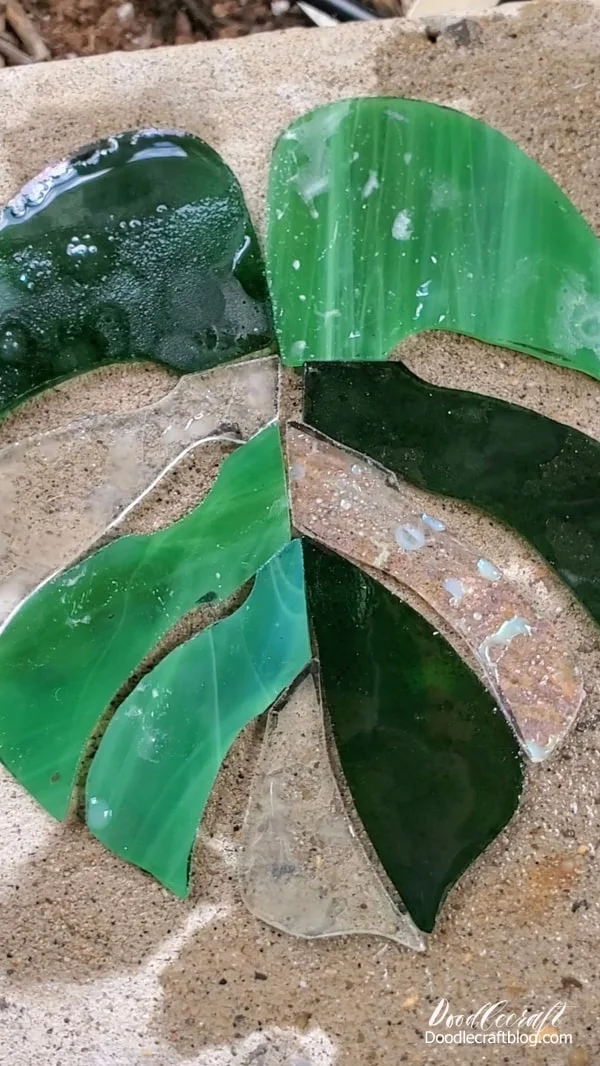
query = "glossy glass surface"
x=61 y=490
x=303 y=868
x=70 y=646
x=388 y=217
x=156 y=764
x=137 y=247
x=432 y=766
x=364 y=516
x=538 y=476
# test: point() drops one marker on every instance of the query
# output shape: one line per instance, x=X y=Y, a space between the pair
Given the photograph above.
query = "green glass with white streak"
x=154 y=770
x=388 y=217
x=73 y=644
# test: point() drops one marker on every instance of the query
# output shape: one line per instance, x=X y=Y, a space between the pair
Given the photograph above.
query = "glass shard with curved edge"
x=388 y=217
x=71 y=645
x=538 y=476
x=137 y=247
x=303 y=869
x=156 y=764
x=60 y=491
x=432 y=766
x=373 y=522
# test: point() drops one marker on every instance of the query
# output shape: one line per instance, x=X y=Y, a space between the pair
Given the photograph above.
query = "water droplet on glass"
x=488 y=570
x=409 y=537
x=99 y=813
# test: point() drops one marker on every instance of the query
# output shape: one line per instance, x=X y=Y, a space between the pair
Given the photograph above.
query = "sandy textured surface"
x=98 y=965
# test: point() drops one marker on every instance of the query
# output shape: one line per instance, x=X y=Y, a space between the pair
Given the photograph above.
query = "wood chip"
x=20 y=22
x=13 y=55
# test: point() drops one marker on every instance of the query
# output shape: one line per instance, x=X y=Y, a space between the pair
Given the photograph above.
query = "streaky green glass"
x=388 y=217
x=537 y=475
x=72 y=644
x=431 y=764
x=156 y=764
x=137 y=247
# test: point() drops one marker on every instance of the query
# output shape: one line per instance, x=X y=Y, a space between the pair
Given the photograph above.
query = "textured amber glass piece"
x=351 y=507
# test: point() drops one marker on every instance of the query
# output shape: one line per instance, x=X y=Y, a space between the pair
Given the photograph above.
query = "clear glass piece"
x=60 y=491
x=303 y=868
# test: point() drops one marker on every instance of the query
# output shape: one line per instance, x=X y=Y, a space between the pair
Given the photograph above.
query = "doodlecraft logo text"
x=496 y=1023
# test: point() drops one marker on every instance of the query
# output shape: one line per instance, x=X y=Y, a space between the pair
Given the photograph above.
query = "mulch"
x=88 y=27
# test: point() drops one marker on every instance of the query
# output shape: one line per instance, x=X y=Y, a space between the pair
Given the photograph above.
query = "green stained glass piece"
x=539 y=476
x=388 y=217
x=431 y=764
x=152 y=775
x=137 y=247
x=72 y=645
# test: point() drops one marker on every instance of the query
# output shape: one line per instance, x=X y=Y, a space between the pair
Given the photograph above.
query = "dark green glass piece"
x=72 y=645
x=154 y=770
x=538 y=476
x=389 y=217
x=431 y=764
x=137 y=247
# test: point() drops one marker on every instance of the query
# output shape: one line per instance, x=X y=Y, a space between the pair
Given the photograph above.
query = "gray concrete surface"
x=98 y=965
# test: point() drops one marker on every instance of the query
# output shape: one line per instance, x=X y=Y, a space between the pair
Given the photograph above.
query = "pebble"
x=126 y=12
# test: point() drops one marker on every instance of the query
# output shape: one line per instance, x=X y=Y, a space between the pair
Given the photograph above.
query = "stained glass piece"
x=60 y=491
x=304 y=869
x=433 y=768
x=538 y=476
x=69 y=647
x=389 y=217
x=156 y=764
x=360 y=515
x=137 y=247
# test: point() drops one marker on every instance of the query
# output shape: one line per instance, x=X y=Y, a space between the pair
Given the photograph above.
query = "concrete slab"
x=98 y=965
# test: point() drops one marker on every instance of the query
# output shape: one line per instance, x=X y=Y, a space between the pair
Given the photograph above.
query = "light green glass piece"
x=153 y=773
x=388 y=217
x=73 y=644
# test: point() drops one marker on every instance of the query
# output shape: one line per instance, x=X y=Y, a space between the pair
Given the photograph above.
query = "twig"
x=13 y=54
x=198 y=16
x=19 y=21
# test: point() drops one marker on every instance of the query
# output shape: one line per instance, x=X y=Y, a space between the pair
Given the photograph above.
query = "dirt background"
x=89 y=27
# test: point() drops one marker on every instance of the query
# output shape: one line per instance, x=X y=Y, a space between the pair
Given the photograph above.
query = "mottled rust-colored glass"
x=432 y=766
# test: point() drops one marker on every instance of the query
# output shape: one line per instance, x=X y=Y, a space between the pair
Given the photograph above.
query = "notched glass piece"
x=433 y=768
x=351 y=507
x=538 y=476
x=137 y=247
x=61 y=491
x=388 y=217
x=156 y=764
x=72 y=645
x=303 y=868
